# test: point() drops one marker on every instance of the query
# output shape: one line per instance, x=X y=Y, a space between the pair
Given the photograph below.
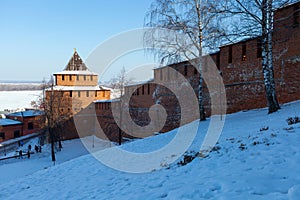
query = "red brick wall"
x=9 y=131
x=36 y=120
x=243 y=80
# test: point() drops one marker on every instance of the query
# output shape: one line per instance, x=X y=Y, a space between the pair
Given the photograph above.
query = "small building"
x=32 y=120
x=10 y=129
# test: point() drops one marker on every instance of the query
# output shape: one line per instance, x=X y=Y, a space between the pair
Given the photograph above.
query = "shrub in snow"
x=242 y=147
x=293 y=120
x=264 y=128
x=216 y=148
x=188 y=157
x=273 y=135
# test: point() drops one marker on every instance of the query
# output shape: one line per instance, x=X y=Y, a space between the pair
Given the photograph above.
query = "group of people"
x=37 y=148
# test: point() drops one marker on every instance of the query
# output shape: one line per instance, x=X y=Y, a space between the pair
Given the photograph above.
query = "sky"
x=37 y=37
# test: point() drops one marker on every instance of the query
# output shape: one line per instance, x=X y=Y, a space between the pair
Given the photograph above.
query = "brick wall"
x=240 y=67
x=72 y=80
x=9 y=131
x=35 y=121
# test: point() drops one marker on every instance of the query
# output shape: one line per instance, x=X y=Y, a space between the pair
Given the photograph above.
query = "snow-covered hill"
x=256 y=157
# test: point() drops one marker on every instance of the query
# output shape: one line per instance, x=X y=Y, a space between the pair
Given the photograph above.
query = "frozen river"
x=13 y=100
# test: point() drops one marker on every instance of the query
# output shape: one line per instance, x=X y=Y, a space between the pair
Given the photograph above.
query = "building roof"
x=107 y=101
x=9 y=122
x=27 y=113
x=87 y=72
x=75 y=63
x=76 y=66
x=140 y=83
x=78 y=88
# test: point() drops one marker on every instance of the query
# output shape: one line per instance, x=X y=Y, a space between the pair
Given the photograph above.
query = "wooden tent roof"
x=76 y=63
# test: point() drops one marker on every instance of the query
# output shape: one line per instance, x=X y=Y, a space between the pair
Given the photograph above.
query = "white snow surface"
x=18 y=100
x=268 y=167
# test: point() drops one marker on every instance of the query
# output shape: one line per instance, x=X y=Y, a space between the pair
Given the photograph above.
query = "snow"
x=17 y=100
x=27 y=113
x=81 y=72
x=8 y=122
x=77 y=88
x=107 y=101
x=257 y=157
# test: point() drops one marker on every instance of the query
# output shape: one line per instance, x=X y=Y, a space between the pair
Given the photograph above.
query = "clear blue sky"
x=37 y=37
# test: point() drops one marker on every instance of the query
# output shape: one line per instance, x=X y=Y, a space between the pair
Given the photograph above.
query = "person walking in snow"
x=29 y=147
x=20 y=154
x=36 y=148
x=28 y=154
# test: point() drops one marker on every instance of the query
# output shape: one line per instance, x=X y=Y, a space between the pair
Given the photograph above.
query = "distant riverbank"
x=19 y=86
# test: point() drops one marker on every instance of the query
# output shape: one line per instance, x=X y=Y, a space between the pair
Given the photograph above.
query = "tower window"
x=230 y=54
x=63 y=77
x=84 y=77
x=17 y=134
x=30 y=125
x=78 y=93
x=87 y=93
x=71 y=94
x=77 y=77
x=148 y=88
x=2 y=135
x=91 y=77
x=244 y=49
x=70 y=77
x=143 y=90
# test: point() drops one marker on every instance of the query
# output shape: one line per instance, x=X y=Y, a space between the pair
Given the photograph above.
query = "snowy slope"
x=248 y=163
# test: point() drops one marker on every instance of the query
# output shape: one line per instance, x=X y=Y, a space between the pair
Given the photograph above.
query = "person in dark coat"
x=20 y=154
x=28 y=154
x=36 y=148
x=40 y=149
x=29 y=147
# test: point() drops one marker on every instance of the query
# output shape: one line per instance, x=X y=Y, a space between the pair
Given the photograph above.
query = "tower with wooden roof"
x=77 y=83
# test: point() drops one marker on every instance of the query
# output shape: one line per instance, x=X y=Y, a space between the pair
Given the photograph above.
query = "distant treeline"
x=18 y=87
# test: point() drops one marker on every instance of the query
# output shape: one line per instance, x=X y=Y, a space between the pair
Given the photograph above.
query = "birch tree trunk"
x=200 y=38
x=267 y=55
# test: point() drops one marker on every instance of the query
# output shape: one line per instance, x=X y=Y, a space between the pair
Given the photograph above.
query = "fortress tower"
x=77 y=86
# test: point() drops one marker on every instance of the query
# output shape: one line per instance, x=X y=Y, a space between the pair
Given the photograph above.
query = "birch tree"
x=255 y=19
x=189 y=26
